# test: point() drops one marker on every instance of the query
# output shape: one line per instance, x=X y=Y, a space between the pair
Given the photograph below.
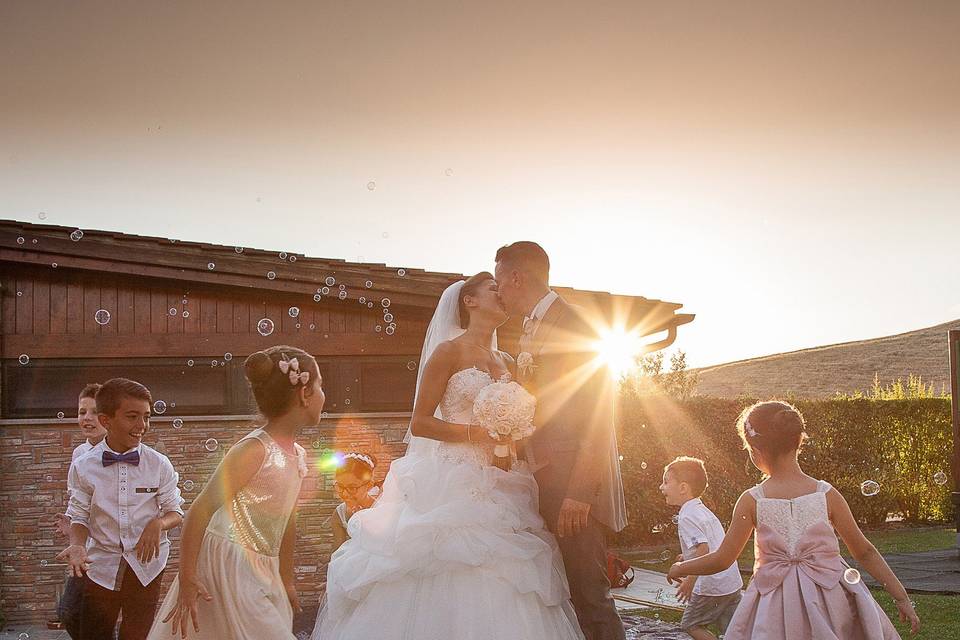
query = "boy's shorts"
x=703 y=610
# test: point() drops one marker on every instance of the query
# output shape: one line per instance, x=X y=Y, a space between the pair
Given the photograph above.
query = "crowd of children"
x=236 y=569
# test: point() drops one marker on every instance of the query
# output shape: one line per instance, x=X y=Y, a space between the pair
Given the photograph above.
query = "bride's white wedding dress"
x=454 y=548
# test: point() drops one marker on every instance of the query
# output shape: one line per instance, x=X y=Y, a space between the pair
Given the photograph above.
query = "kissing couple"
x=458 y=546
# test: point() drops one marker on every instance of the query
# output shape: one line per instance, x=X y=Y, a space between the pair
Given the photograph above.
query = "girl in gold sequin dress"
x=236 y=562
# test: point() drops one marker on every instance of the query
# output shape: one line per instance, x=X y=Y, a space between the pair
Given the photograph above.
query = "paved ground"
x=924 y=572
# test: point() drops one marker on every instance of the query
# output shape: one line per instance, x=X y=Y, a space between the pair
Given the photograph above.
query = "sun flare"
x=617 y=349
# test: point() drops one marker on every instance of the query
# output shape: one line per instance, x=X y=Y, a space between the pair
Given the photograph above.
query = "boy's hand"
x=148 y=547
x=62 y=524
x=76 y=558
x=675 y=573
x=685 y=590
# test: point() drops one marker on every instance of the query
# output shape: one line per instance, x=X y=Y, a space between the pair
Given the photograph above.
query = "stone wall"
x=35 y=457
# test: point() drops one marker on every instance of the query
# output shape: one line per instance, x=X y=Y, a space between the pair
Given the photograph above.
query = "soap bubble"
x=188 y=485
x=371 y=185
x=369 y=304
x=346 y=401
x=189 y=363
x=411 y=365
x=265 y=326
x=23 y=359
x=186 y=314
x=390 y=330
x=342 y=287
x=172 y=311
x=388 y=317
x=657 y=528
x=317 y=297
x=283 y=255
x=675 y=519
x=44 y=562
x=239 y=250
x=378 y=328
x=851 y=576
x=177 y=423
x=869 y=488
x=665 y=555
x=330 y=281
x=214 y=363
x=643 y=465
x=21 y=240
x=325 y=290
x=102 y=316
x=211 y=444
x=228 y=356
x=211 y=266
x=293 y=258
x=401 y=272
x=362 y=300
x=312 y=326
x=60 y=415
x=185 y=301
x=271 y=275
x=76 y=235
x=342 y=295
x=54 y=265
x=940 y=478
x=159 y=407
x=293 y=312
x=448 y=172
x=385 y=303
x=368 y=284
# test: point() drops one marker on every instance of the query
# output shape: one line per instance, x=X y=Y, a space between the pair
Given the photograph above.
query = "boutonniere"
x=525 y=364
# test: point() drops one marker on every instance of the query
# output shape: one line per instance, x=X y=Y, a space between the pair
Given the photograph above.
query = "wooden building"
x=78 y=307
x=81 y=305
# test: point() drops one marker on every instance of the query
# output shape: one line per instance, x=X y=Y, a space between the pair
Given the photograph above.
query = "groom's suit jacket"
x=574 y=447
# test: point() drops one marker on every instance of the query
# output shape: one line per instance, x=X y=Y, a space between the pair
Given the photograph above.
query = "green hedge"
x=899 y=443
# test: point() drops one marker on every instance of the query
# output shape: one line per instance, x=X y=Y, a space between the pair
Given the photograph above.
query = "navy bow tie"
x=131 y=457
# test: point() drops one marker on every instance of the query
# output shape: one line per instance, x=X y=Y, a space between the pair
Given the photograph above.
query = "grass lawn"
x=939 y=614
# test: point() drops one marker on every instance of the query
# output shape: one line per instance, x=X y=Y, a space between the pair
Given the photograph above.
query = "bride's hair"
x=470 y=288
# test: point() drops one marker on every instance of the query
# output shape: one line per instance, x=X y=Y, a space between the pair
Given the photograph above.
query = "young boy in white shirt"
x=68 y=609
x=710 y=599
x=123 y=498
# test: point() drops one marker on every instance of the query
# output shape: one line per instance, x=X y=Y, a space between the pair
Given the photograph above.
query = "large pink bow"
x=817 y=556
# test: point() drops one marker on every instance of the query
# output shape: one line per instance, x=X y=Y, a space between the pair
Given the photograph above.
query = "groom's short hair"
x=526 y=256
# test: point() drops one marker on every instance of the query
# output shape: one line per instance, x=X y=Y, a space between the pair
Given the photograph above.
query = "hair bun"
x=789 y=420
x=257 y=367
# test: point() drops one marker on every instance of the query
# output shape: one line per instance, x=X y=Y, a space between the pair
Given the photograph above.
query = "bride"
x=454 y=547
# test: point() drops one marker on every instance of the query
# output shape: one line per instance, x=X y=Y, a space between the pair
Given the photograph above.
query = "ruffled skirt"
x=449 y=551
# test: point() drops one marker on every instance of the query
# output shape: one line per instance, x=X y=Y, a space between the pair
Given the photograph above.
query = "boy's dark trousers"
x=100 y=607
x=68 y=609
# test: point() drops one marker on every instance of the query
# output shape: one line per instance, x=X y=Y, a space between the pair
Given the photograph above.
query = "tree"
x=649 y=378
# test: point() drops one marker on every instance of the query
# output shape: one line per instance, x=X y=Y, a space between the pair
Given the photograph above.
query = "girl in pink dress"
x=801 y=587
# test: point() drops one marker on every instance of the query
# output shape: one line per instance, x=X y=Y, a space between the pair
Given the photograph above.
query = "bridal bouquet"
x=505 y=409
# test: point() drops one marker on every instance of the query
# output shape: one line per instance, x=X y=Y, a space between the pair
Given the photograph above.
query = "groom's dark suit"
x=574 y=453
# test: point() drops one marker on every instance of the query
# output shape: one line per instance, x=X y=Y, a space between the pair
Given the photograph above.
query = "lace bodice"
x=456 y=406
x=792 y=517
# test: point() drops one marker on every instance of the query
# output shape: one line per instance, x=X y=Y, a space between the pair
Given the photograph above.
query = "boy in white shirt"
x=123 y=497
x=68 y=609
x=714 y=598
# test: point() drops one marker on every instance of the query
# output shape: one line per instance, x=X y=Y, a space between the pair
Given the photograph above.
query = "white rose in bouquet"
x=505 y=409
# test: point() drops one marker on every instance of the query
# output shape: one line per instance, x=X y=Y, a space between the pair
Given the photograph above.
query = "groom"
x=574 y=449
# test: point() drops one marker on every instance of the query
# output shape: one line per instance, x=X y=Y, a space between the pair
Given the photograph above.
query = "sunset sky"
x=789 y=171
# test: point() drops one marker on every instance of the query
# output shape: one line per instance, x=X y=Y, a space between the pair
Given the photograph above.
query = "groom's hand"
x=573 y=517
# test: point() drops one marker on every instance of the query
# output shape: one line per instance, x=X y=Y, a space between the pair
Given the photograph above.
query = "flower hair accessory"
x=361 y=457
x=749 y=430
x=291 y=368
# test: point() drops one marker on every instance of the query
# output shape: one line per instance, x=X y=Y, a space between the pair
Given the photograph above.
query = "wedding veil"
x=445 y=325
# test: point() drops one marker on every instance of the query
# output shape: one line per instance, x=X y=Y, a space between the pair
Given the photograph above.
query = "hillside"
x=822 y=371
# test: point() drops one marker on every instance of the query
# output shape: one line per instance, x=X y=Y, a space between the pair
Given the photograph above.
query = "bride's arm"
x=432 y=387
